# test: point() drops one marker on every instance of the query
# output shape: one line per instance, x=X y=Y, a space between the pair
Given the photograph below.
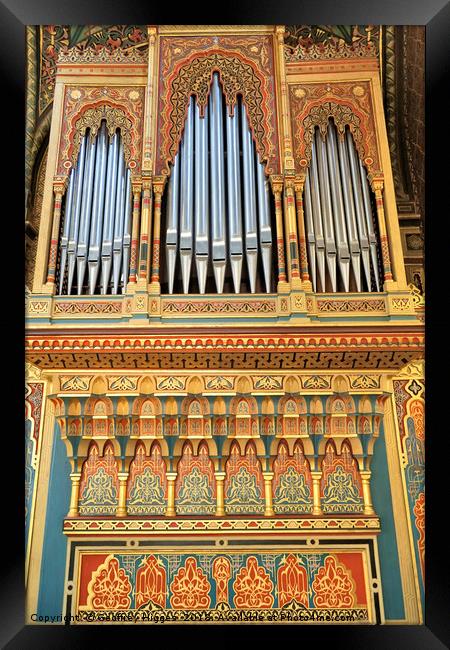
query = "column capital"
x=220 y=476
x=268 y=476
x=171 y=476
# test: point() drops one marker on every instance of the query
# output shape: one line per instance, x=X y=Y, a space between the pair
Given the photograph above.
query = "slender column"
x=368 y=505
x=75 y=477
x=145 y=229
x=158 y=186
x=292 y=232
x=220 y=499
x=122 y=507
x=58 y=189
x=377 y=186
x=268 y=510
x=135 y=231
x=277 y=186
x=171 y=478
x=298 y=185
x=317 y=506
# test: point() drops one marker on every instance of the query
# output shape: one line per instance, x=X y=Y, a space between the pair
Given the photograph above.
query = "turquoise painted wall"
x=53 y=566
x=387 y=543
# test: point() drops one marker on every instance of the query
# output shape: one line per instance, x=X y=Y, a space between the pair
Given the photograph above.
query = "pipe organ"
x=225 y=372
x=339 y=219
x=218 y=199
x=96 y=224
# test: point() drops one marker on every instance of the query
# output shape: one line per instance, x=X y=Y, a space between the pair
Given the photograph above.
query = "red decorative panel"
x=109 y=587
x=99 y=485
x=253 y=587
x=147 y=483
x=122 y=106
x=349 y=103
x=333 y=586
x=341 y=487
x=244 y=485
x=190 y=587
x=245 y=65
x=151 y=583
x=292 y=582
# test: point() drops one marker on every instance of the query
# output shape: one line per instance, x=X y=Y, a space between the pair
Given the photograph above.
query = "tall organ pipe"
x=68 y=215
x=317 y=215
x=359 y=205
x=97 y=208
x=201 y=209
x=265 y=232
x=187 y=197
x=86 y=206
x=127 y=231
x=338 y=209
x=327 y=211
x=75 y=221
x=218 y=183
x=234 y=197
x=110 y=202
x=172 y=220
x=369 y=220
x=251 y=236
x=349 y=209
x=119 y=221
x=310 y=230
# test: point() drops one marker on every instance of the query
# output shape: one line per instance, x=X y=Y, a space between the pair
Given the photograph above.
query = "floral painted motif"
x=195 y=487
x=109 y=587
x=190 y=587
x=292 y=484
x=253 y=587
x=147 y=484
x=341 y=488
x=99 y=486
x=243 y=485
x=151 y=583
x=292 y=582
x=332 y=586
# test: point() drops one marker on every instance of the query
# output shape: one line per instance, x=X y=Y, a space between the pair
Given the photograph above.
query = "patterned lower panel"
x=238 y=585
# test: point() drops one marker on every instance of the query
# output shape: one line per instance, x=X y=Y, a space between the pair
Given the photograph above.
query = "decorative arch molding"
x=122 y=108
x=239 y=75
x=348 y=104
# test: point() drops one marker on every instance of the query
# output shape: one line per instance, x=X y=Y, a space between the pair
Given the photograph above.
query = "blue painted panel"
x=387 y=543
x=51 y=587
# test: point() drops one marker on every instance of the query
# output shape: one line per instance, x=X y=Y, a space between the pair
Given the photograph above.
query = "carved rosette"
x=348 y=103
x=245 y=66
x=85 y=107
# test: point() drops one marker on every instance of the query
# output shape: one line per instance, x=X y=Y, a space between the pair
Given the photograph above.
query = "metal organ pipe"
x=67 y=221
x=360 y=216
x=110 y=203
x=338 y=209
x=86 y=205
x=327 y=211
x=119 y=221
x=349 y=209
x=75 y=221
x=201 y=196
x=310 y=230
x=187 y=197
x=127 y=231
x=369 y=221
x=265 y=232
x=234 y=197
x=218 y=183
x=172 y=221
x=317 y=215
x=97 y=208
x=251 y=237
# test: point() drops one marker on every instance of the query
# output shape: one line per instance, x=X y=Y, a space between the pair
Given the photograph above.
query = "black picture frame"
x=435 y=15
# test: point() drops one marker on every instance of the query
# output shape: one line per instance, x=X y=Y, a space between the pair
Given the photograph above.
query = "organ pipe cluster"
x=97 y=222
x=338 y=213
x=217 y=204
